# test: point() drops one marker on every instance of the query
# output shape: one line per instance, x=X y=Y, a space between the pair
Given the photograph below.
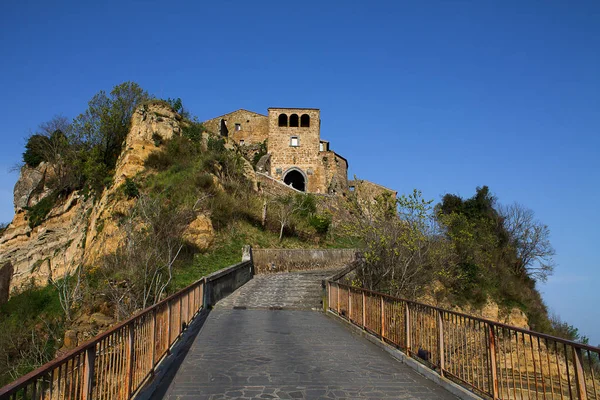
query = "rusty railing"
x=492 y=359
x=117 y=363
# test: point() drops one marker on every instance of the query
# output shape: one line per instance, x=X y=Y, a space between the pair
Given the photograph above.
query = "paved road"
x=292 y=291
x=267 y=354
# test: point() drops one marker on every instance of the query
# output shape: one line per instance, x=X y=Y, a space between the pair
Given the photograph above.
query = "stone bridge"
x=268 y=340
x=307 y=334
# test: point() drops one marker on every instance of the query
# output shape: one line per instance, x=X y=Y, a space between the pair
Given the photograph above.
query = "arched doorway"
x=296 y=178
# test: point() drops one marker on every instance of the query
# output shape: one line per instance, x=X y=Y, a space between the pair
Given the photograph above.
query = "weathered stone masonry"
x=296 y=154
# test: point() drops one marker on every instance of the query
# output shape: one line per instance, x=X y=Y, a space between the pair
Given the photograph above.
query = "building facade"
x=296 y=154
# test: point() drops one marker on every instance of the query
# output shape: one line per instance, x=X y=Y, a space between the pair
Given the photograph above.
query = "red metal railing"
x=490 y=358
x=115 y=364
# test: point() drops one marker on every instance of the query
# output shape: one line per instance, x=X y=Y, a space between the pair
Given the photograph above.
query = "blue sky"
x=440 y=96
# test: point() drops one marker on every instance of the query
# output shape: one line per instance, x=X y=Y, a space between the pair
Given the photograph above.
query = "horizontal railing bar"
x=44 y=369
x=487 y=321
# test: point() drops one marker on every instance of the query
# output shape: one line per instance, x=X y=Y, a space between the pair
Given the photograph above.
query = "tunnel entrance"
x=296 y=179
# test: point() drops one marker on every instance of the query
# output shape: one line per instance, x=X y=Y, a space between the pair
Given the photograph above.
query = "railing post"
x=382 y=319
x=407 y=327
x=440 y=326
x=179 y=328
x=88 y=374
x=364 y=308
x=328 y=296
x=493 y=366
x=579 y=374
x=153 y=338
x=169 y=327
x=338 y=298
x=130 y=355
x=349 y=304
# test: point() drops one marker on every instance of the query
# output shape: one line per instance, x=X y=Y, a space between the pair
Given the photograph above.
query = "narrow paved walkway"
x=290 y=291
x=267 y=354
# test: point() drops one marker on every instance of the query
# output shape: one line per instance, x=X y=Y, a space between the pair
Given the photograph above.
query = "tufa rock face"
x=78 y=230
x=200 y=232
x=50 y=250
x=150 y=124
x=30 y=187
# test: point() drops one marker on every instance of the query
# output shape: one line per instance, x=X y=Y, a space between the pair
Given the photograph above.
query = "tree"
x=404 y=250
x=68 y=287
x=531 y=240
x=288 y=206
x=106 y=122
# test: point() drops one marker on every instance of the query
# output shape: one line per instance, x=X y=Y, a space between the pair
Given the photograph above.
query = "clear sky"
x=440 y=96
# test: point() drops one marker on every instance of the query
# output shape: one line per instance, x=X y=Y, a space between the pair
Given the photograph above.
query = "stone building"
x=296 y=154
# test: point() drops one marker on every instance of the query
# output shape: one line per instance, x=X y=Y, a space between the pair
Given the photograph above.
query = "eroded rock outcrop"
x=79 y=230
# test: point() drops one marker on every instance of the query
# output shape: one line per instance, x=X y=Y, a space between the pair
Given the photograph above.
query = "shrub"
x=193 y=131
x=320 y=222
x=204 y=181
x=130 y=188
x=158 y=140
x=158 y=160
x=222 y=210
x=38 y=213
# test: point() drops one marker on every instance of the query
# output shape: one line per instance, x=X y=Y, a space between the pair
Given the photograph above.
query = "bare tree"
x=69 y=290
x=288 y=206
x=141 y=269
x=531 y=241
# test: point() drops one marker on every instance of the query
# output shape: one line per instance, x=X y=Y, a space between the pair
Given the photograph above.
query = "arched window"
x=294 y=120
x=283 y=120
x=304 y=121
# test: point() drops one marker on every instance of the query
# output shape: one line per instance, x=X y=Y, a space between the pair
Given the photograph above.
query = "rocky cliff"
x=78 y=229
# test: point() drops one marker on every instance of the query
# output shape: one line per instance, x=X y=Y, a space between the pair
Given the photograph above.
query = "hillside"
x=135 y=199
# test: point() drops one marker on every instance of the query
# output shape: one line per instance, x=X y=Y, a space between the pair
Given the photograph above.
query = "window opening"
x=294 y=120
x=283 y=120
x=305 y=121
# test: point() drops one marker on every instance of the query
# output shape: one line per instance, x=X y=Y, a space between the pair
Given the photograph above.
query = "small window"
x=352 y=188
x=305 y=121
x=283 y=120
x=321 y=146
x=238 y=127
x=294 y=141
x=294 y=120
x=242 y=142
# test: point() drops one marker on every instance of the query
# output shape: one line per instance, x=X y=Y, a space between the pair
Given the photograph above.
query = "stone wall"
x=253 y=127
x=279 y=260
x=335 y=170
x=367 y=192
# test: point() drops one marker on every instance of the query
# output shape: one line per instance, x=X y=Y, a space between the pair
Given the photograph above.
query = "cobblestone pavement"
x=265 y=354
x=293 y=290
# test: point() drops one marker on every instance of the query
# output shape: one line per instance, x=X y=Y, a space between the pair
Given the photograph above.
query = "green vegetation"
x=37 y=214
x=130 y=188
x=475 y=248
x=31 y=329
x=262 y=150
x=83 y=153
